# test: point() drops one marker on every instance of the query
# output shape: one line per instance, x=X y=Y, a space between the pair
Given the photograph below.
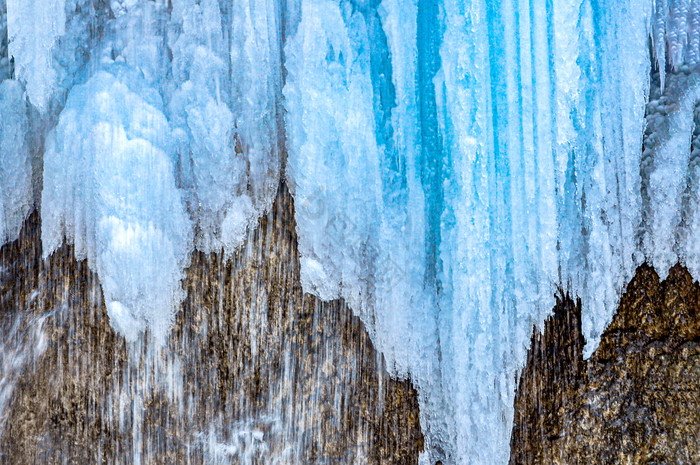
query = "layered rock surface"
x=255 y=371
x=635 y=401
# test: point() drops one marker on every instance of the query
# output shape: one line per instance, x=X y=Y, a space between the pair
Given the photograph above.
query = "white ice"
x=109 y=188
x=33 y=28
x=224 y=107
x=16 y=198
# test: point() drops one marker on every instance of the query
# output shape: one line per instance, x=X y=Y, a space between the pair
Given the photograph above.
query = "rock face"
x=255 y=371
x=635 y=401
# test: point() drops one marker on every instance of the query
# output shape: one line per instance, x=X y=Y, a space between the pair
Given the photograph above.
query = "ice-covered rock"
x=452 y=162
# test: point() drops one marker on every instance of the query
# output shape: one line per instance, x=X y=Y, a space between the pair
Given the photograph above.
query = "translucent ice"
x=15 y=164
x=514 y=131
x=227 y=71
x=689 y=230
x=109 y=188
x=178 y=111
x=33 y=28
x=670 y=172
x=353 y=142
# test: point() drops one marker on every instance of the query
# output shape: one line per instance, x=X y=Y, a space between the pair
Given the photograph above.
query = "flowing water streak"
x=23 y=343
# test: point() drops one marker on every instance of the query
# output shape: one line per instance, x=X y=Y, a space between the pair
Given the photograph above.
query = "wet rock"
x=255 y=370
x=635 y=401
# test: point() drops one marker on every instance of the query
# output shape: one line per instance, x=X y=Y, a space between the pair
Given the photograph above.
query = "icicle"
x=668 y=174
x=658 y=37
x=15 y=166
x=33 y=28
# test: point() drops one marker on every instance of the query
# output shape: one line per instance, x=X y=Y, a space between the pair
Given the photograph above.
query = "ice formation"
x=34 y=26
x=508 y=162
x=15 y=164
x=225 y=107
x=452 y=162
x=167 y=135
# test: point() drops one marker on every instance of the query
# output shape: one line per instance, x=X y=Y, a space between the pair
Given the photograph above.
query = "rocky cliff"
x=255 y=370
x=635 y=401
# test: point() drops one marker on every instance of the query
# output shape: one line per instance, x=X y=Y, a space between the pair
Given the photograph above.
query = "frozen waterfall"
x=452 y=163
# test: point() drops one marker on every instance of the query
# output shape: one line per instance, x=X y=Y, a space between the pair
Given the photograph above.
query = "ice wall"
x=167 y=136
x=543 y=186
x=452 y=163
x=505 y=159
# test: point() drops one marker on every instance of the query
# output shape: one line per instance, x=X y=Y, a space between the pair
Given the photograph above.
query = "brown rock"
x=255 y=369
x=636 y=401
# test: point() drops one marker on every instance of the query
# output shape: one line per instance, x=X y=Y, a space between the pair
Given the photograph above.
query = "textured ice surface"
x=109 y=178
x=670 y=175
x=172 y=138
x=668 y=153
x=109 y=187
x=33 y=28
x=227 y=72
x=452 y=162
x=675 y=33
x=358 y=195
x=505 y=158
x=688 y=244
x=15 y=165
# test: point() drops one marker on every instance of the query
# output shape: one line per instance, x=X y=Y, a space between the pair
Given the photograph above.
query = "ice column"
x=493 y=163
x=670 y=172
x=109 y=179
x=109 y=186
x=356 y=168
x=227 y=69
x=333 y=162
x=352 y=141
x=256 y=85
x=544 y=186
x=33 y=28
x=15 y=165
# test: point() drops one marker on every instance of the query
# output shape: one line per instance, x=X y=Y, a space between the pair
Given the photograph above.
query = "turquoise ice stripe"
x=431 y=157
x=5 y=72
